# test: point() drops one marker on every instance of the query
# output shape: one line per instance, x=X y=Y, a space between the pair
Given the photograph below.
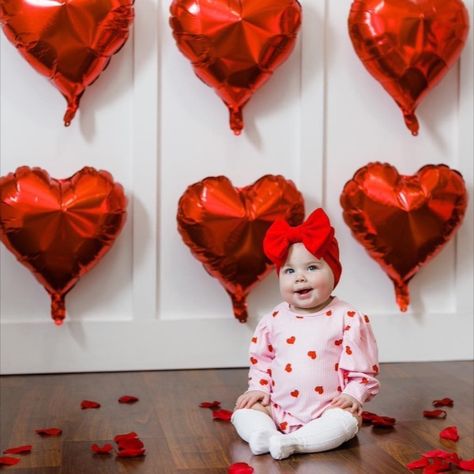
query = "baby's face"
x=306 y=282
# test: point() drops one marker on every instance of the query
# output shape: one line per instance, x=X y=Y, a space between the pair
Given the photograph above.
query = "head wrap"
x=316 y=234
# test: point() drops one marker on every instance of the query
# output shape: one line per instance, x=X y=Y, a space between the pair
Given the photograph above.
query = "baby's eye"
x=288 y=271
x=312 y=268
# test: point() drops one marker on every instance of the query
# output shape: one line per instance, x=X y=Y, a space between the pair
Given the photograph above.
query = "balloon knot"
x=412 y=123
x=402 y=295
x=239 y=305
x=236 y=121
x=70 y=113
x=58 y=308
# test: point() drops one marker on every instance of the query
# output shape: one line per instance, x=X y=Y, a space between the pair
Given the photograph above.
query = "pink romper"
x=305 y=360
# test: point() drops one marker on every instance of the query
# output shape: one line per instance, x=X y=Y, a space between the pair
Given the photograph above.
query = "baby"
x=313 y=359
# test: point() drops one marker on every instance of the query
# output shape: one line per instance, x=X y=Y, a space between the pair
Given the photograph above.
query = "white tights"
x=256 y=428
x=334 y=427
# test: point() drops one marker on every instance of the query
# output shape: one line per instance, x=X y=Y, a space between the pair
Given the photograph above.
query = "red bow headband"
x=315 y=233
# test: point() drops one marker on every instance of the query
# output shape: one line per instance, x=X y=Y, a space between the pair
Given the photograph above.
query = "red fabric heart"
x=60 y=228
x=235 y=46
x=403 y=221
x=224 y=228
x=70 y=42
x=408 y=45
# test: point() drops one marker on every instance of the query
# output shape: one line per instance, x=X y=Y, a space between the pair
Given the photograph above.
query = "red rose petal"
x=417 y=464
x=435 y=414
x=211 y=405
x=439 y=453
x=466 y=464
x=435 y=453
x=451 y=433
x=240 y=468
x=444 y=402
x=368 y=416
x=130 y=443
x=378 y=420
x=105 y=449
x=131 y=453
x=19 y=450
x=8 y=461
x=222 y=415
x=127 y=399
x=383 y=421
x=49 y=431
x=438 y=466
x=130 y=435
x=89 y=404
x=436 y=460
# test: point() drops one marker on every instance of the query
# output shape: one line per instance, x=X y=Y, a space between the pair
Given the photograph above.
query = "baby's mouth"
x=303 y=291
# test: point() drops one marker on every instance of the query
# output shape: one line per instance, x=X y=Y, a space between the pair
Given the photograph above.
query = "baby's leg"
x=334 y=427
x=255 y=426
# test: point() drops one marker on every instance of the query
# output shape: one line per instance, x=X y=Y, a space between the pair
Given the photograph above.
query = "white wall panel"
x=157 y=128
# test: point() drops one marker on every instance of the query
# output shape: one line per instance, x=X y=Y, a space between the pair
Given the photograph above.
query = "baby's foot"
x=282 y=446
x=259 y=442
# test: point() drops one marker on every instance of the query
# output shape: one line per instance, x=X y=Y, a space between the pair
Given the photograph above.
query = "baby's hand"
x=348 y=403
x=248 y=399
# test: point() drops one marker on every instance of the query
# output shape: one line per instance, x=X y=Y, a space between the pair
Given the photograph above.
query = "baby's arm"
x=359 y=358
x=260 y=380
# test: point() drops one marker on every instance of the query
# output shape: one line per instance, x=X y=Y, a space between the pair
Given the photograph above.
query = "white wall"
x=151 y=123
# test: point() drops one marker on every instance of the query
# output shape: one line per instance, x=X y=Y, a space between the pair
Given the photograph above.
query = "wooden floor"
x=180 y=437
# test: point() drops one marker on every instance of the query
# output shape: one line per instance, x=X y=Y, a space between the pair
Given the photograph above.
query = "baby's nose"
x=300 y=277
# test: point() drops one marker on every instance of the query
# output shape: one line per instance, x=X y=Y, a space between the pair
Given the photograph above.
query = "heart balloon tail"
x=402 y=295
x=411 y=122
x=236 y=120
x=58 y=308
x=239 y=305
x=72 y=106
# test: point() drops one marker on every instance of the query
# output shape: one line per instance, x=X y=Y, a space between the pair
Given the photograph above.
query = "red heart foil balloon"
x=60 y=228
x=408 y=45
x=224 y=227
x=235 y=45
x=403 y=221
x=68 y=41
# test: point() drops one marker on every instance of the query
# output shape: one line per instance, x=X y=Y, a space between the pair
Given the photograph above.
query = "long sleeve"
x=261 y=355
x=359 y=358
